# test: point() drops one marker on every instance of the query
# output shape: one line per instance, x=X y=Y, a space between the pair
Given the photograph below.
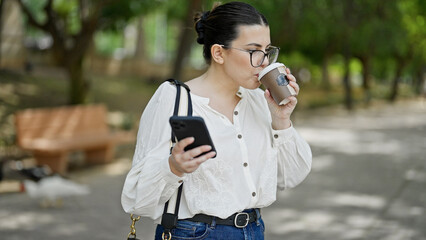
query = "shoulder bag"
x=183 y=107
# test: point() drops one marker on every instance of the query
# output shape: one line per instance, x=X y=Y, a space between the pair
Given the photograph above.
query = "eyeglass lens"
x=258 y=57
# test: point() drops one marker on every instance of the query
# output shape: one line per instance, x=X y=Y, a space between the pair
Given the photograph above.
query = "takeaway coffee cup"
x=274 y=78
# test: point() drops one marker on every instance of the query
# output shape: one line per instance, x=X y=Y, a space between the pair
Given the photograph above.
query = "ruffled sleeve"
x=294 y=157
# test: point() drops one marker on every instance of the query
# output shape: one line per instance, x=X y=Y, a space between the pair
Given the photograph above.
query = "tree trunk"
x=365 y=61
x=422 y=79
x=418 y=83
x=347 y=35
x=325 y=74
x=78 y=85
x=74 y=64
x=1 y=26
x=71 y=60
x=396 y=80
x=140 y=40
x=347 y=83
x=185 y=39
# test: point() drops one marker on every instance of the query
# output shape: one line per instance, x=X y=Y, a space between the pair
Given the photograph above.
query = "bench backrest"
x=60 y=122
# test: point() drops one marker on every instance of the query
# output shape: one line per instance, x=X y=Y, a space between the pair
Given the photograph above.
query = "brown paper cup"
x=273 y=77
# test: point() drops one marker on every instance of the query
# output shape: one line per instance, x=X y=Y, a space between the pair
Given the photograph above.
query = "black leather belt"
x=239 y=220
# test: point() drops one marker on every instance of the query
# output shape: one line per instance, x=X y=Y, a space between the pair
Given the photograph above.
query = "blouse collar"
x=205 y=100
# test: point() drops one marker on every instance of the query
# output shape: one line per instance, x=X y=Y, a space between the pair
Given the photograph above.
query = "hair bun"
x=199 y=26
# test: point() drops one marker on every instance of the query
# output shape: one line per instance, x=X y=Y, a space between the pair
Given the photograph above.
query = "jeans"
x=189 y=230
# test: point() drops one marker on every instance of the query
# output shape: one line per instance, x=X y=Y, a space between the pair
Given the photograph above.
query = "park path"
x=368 y=182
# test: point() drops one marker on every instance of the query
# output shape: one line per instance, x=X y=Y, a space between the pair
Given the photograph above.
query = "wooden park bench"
x=52 y=133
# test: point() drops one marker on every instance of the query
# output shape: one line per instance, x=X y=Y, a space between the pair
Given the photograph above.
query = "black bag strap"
x=178 y=85
x=169 y=220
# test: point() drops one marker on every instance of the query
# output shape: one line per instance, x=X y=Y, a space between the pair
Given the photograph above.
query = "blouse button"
x=245 y=164
x=275 y=135
x=236 y=113
x=240 y=136
x=253 y=194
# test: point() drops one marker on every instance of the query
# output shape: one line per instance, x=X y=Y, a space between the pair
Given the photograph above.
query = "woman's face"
x=237 y=62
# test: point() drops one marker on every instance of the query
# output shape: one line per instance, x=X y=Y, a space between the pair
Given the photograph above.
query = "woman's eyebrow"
x=254 y=44
x=257 y=45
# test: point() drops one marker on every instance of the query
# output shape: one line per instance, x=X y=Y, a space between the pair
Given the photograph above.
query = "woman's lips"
x=257 y=77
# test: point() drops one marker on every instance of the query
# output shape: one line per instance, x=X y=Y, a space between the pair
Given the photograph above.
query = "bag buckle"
x=241 y=220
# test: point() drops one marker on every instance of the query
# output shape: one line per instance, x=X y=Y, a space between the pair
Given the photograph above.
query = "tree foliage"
x=387 y=37
x=72 y=24
x=372 y=31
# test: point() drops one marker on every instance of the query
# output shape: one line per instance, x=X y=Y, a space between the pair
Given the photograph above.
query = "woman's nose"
x=265 y=62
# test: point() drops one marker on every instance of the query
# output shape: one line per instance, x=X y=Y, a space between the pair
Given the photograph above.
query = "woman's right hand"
x=182 y=161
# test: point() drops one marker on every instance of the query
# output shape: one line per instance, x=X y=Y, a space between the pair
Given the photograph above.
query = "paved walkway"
x=368 y=182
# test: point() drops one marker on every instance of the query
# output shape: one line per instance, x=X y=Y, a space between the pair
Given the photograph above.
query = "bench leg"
x=57 y=162
x=99 y=155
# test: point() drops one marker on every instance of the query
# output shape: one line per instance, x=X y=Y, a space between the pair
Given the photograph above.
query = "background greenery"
x=327 y=43
x=350 y=53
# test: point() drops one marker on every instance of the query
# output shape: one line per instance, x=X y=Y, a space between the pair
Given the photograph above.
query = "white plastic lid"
x=269 y=68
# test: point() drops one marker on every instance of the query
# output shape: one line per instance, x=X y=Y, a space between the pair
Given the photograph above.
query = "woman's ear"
x=217 y=52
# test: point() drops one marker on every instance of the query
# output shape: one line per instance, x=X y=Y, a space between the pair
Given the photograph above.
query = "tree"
x=186 y=38
x=371 y=20
x=72 y=24
x=140 y=43
x=398 y=43
x=413 y=22
x=317 y=29
x=319 y=34
x=1 y=24
x=371 y=30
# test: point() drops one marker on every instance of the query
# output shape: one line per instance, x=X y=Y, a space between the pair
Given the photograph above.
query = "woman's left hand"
x=281 y=114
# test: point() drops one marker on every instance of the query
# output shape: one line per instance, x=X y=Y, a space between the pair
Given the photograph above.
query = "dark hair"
x=220 y=25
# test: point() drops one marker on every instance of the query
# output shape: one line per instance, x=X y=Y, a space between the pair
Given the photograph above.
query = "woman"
x=257 y=147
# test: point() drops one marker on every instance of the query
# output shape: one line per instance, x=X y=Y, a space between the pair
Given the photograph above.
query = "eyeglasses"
x=258 y=56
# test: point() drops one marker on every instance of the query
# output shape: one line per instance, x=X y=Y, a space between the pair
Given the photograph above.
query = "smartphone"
x=192 y=126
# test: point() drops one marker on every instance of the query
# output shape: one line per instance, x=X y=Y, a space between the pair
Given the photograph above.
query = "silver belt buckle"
x=241 y=217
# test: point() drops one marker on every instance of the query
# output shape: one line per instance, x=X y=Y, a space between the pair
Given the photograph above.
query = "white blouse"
x=252 y=159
